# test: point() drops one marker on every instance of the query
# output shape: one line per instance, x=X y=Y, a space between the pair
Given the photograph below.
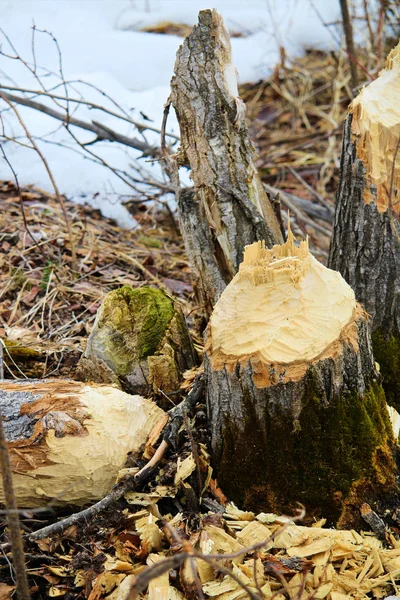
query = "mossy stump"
x=365 y=244
x=295 y=404
x=139 y=341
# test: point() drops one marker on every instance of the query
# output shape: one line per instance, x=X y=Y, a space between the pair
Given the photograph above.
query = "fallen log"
x=365 y=244
x=68 y=441
x=228 y=194
x=296 y=410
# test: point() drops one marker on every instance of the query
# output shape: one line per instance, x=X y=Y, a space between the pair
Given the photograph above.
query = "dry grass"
x=296 y=119
x=47 y=308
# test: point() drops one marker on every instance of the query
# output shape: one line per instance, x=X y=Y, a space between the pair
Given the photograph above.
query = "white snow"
x=101 y=45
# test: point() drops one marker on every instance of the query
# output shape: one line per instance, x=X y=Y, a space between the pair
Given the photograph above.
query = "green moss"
x=20 y=353
x=387 y=354
x=18 y=277
x=150 y=242
x=273 y=463
x=134 y=323
x=46 y=274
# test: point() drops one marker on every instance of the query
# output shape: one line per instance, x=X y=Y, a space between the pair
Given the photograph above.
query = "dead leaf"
x=6 y=591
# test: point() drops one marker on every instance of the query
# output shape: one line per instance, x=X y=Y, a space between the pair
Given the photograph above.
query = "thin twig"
x=50 y=174
x=140 y=126
x=348 y=32
x=103 y=132
x=311 y=190
x=379 y=34
x=13 y=519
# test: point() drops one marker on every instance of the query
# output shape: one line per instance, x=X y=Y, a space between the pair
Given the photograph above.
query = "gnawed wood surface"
x=215 y=144
x=291 y=420
x=68 y=441
x=365 y=244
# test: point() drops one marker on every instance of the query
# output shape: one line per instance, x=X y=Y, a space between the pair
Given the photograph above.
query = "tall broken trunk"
x=365 y=244
x=228 y=195
x=297 y=413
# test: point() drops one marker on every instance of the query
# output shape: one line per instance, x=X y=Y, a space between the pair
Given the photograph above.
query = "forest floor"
x=48 y=306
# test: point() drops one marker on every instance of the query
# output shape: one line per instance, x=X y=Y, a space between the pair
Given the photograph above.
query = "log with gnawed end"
x=296 y=408
x=68 y=440
x=365 y=245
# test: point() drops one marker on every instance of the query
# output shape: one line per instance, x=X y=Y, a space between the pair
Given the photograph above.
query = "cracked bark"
x=228 y=207
x=365 y=250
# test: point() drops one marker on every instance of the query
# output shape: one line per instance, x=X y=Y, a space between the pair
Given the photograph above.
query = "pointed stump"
x=296 y=409
x=228 y=207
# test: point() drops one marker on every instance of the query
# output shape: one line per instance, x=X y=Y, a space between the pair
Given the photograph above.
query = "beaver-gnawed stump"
x=296 y=408
x=365 y=244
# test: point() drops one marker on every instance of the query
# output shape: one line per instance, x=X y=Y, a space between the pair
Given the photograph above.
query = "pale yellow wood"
x=282 y=306
x=83 y=467
x=376 y=123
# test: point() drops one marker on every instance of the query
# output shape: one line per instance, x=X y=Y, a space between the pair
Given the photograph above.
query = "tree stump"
x=139 y=341
x=365 y=244
x=68 y=441
x=296 y=409
x=215 y=143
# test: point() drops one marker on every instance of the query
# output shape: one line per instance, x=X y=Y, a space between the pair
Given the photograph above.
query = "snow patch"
x=101 y=44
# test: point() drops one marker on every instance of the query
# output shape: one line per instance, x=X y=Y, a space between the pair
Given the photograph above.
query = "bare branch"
x=92 y=105
x=348 y=32
x=103 y=132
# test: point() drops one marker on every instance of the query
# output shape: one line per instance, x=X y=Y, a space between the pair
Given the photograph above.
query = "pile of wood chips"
x=230 y=554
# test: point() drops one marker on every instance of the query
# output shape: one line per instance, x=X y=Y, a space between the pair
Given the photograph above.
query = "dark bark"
x=13 y=521
x=208 y=280
x=365 y=250
x=323 y=439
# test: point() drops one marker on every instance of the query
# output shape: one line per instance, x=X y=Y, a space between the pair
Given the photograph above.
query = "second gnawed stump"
x=365 y=245
x=296 y=409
